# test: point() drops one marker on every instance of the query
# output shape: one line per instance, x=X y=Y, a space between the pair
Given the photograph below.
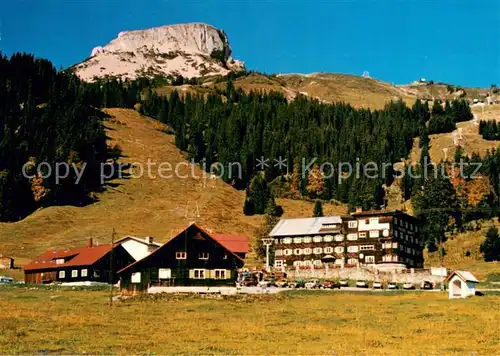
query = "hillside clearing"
x=142 y=206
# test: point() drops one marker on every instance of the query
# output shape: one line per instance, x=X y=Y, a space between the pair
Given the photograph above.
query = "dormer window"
x=353 y=224
x=60 y=261
x=203 y=255
x=180 y=255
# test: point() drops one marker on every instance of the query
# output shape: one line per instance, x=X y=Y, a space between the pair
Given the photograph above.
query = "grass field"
x=328 y=323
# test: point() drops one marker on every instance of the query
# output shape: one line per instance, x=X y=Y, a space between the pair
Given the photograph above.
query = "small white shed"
x=461 y=284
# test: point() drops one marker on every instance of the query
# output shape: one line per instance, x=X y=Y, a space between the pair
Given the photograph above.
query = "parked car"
x=299 y=283
x=6 y=280
x=361 y=284
x=282 y=284
x=267 y=283
x=330 y=285
x=392 y=285
x=313 y=283
x=426 y=285
x=408 y=286
x=377 y=285
x=344 y=283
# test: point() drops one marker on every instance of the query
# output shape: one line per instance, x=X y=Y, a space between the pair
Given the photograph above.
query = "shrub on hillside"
x=490 y=248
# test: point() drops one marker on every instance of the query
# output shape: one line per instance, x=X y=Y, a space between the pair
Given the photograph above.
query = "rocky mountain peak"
x=188 y=50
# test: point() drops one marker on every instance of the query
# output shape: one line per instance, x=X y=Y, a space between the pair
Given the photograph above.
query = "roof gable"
x=465 y=276
x=202 y=234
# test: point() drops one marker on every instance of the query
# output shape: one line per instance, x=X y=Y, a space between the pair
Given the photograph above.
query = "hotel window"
x=307 y=239
x=352 y=224
x=328 y=249
x=307 y=263
x=373 y=220
x=181 y=255
x=339 y=249
x=385 y=233
x=406 y=224
x=339 y=237
x=353 y=237
x=317 y=263
x=278 y=252
x=60 y=261
x=135 y=277
x=164 y=273
x=297 y=263
x=287 y=240
x=366 y=247
x=220 y=274
x=369 y=259
x=328 y=238
x=396 y=233
x=307 y=251
x=317 y=250
x=199 y=274
x=416 y=228
x=352 y=249
x=278 y=263
x=62 y=274
x=394 y=258
x=297 y=240
x=84 y=272
x=74 y=273
x=317 y=239
x=352 y=261
x=374 y=233
x=203 y=256
x=362 y=234
x=394 y=245
x=401 y=247
x=276 y=241
x=288 y=252
x=297 y=252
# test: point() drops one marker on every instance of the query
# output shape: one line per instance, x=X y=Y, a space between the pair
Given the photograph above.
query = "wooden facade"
x=362 y=238
x=191 y=258
x=100 y=267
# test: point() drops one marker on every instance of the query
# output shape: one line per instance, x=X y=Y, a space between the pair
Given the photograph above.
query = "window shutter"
x=228 y=274
x=191 y=273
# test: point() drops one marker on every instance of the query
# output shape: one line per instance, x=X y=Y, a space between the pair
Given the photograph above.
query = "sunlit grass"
x=64 y=321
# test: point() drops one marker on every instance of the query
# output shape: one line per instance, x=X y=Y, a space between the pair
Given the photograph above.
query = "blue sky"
x=455 y=41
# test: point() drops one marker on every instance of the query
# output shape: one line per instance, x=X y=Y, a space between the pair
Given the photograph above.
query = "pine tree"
x=258 y=194
x=318 y=209
x=490 y=248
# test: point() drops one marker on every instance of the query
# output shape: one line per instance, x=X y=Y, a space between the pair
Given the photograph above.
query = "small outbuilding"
x=461 y=284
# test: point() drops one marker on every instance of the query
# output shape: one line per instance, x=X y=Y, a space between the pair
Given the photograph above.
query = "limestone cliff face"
x=190 y=50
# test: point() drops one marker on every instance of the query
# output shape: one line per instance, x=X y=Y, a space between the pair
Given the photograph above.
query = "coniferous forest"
x=490 y=130
x=51 y=116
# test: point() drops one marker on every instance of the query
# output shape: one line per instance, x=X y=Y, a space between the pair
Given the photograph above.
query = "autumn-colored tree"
x=316 y=182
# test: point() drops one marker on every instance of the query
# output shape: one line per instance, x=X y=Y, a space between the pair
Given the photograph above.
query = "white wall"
x=136 y=249
x=467 y=288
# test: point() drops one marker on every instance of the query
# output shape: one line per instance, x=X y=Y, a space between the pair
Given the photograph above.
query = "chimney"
x=149 y=240
x=91 y=242
x=359 y=210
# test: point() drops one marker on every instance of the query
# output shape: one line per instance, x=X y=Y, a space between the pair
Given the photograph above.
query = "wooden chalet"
x=194 y=257
x=92 y=263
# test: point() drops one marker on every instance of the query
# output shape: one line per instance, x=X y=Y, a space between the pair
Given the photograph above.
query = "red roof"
x=81 y=256
x=234 y=243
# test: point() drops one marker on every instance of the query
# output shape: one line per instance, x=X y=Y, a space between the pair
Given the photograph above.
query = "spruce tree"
x=318 y=209
x=490 y=247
